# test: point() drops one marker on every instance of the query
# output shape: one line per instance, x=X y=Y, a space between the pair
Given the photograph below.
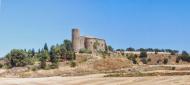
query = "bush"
x=43 y=64
x=134 y=61
x=132 y=58
x=110 y=48
x=85 y=51
x=1 y=65
x=149 y=60
x=18 y=58
x=44 y=56
x=178 y=59
x=70 y=55
x=165 y=61
x=143 y=54
x=73 y=64
x=185 y=56
x=173 y=68
x=172 y=53
x=54 y=65
x=144 y=60
x=33 y=68
x=130 y=49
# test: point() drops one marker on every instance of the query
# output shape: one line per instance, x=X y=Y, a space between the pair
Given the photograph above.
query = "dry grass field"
x=98 y=79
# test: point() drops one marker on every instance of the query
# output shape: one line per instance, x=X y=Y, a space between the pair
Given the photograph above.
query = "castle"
x=87 y=42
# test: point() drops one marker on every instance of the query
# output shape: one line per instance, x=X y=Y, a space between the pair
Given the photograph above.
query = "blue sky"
x=123 y=23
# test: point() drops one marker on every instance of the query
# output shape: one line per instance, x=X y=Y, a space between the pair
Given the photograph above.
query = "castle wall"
x=91 y=41
x=82 y=42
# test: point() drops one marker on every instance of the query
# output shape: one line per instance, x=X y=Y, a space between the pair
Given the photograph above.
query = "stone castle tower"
x=76 y=39
x=87 y=42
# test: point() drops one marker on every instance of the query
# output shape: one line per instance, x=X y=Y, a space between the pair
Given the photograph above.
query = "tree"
x=156 y=50
x=62 y=51
x=143 y=56
x=54 y=59
x=130 y=49
x=185 y=56
x=173 y=53
x=18 y=58
x=110 y=48
x=120 y=50
x=29 y=52
x=168 y=50
x=68 y=45
x=141 y=49
x=46 y=47
x=33 y=52
x=150 y=49
x=70 y=55
x=44 y=56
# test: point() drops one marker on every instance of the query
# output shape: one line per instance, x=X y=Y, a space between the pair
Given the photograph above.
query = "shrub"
x=43 y=58
x=103 y=53
x=185 y=56
x=172 y=53
x=110 y=48
x=130 y=49
x=33 y=68
x=48 y=67
x=43 y=64
x=18 y=58
x=73 y=64
x=143 y=54
x=144 y=60
x=54 y=65
x=178 y=59
x=173 y=68
x=134 y=61
x=132 y=58
x=149 y=60
x=165 y=61
x=1 y=65
x=83 y=50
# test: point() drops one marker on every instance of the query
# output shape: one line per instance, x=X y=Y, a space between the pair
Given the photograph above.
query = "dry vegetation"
x=105 y=70
x=111 y=64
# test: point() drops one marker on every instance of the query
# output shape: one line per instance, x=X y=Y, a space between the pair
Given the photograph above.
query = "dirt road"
x=98 y=79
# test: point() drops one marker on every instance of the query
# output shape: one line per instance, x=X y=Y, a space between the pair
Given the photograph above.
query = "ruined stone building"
x=87 y=42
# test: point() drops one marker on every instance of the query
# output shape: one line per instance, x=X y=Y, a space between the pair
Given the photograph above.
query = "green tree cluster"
x=56 y=54
x=184 y=56
x=18 y=58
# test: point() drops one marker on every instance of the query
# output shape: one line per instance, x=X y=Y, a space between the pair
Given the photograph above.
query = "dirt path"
x=98 y=79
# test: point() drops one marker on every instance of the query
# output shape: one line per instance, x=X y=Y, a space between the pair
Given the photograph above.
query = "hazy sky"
x=123 y=23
